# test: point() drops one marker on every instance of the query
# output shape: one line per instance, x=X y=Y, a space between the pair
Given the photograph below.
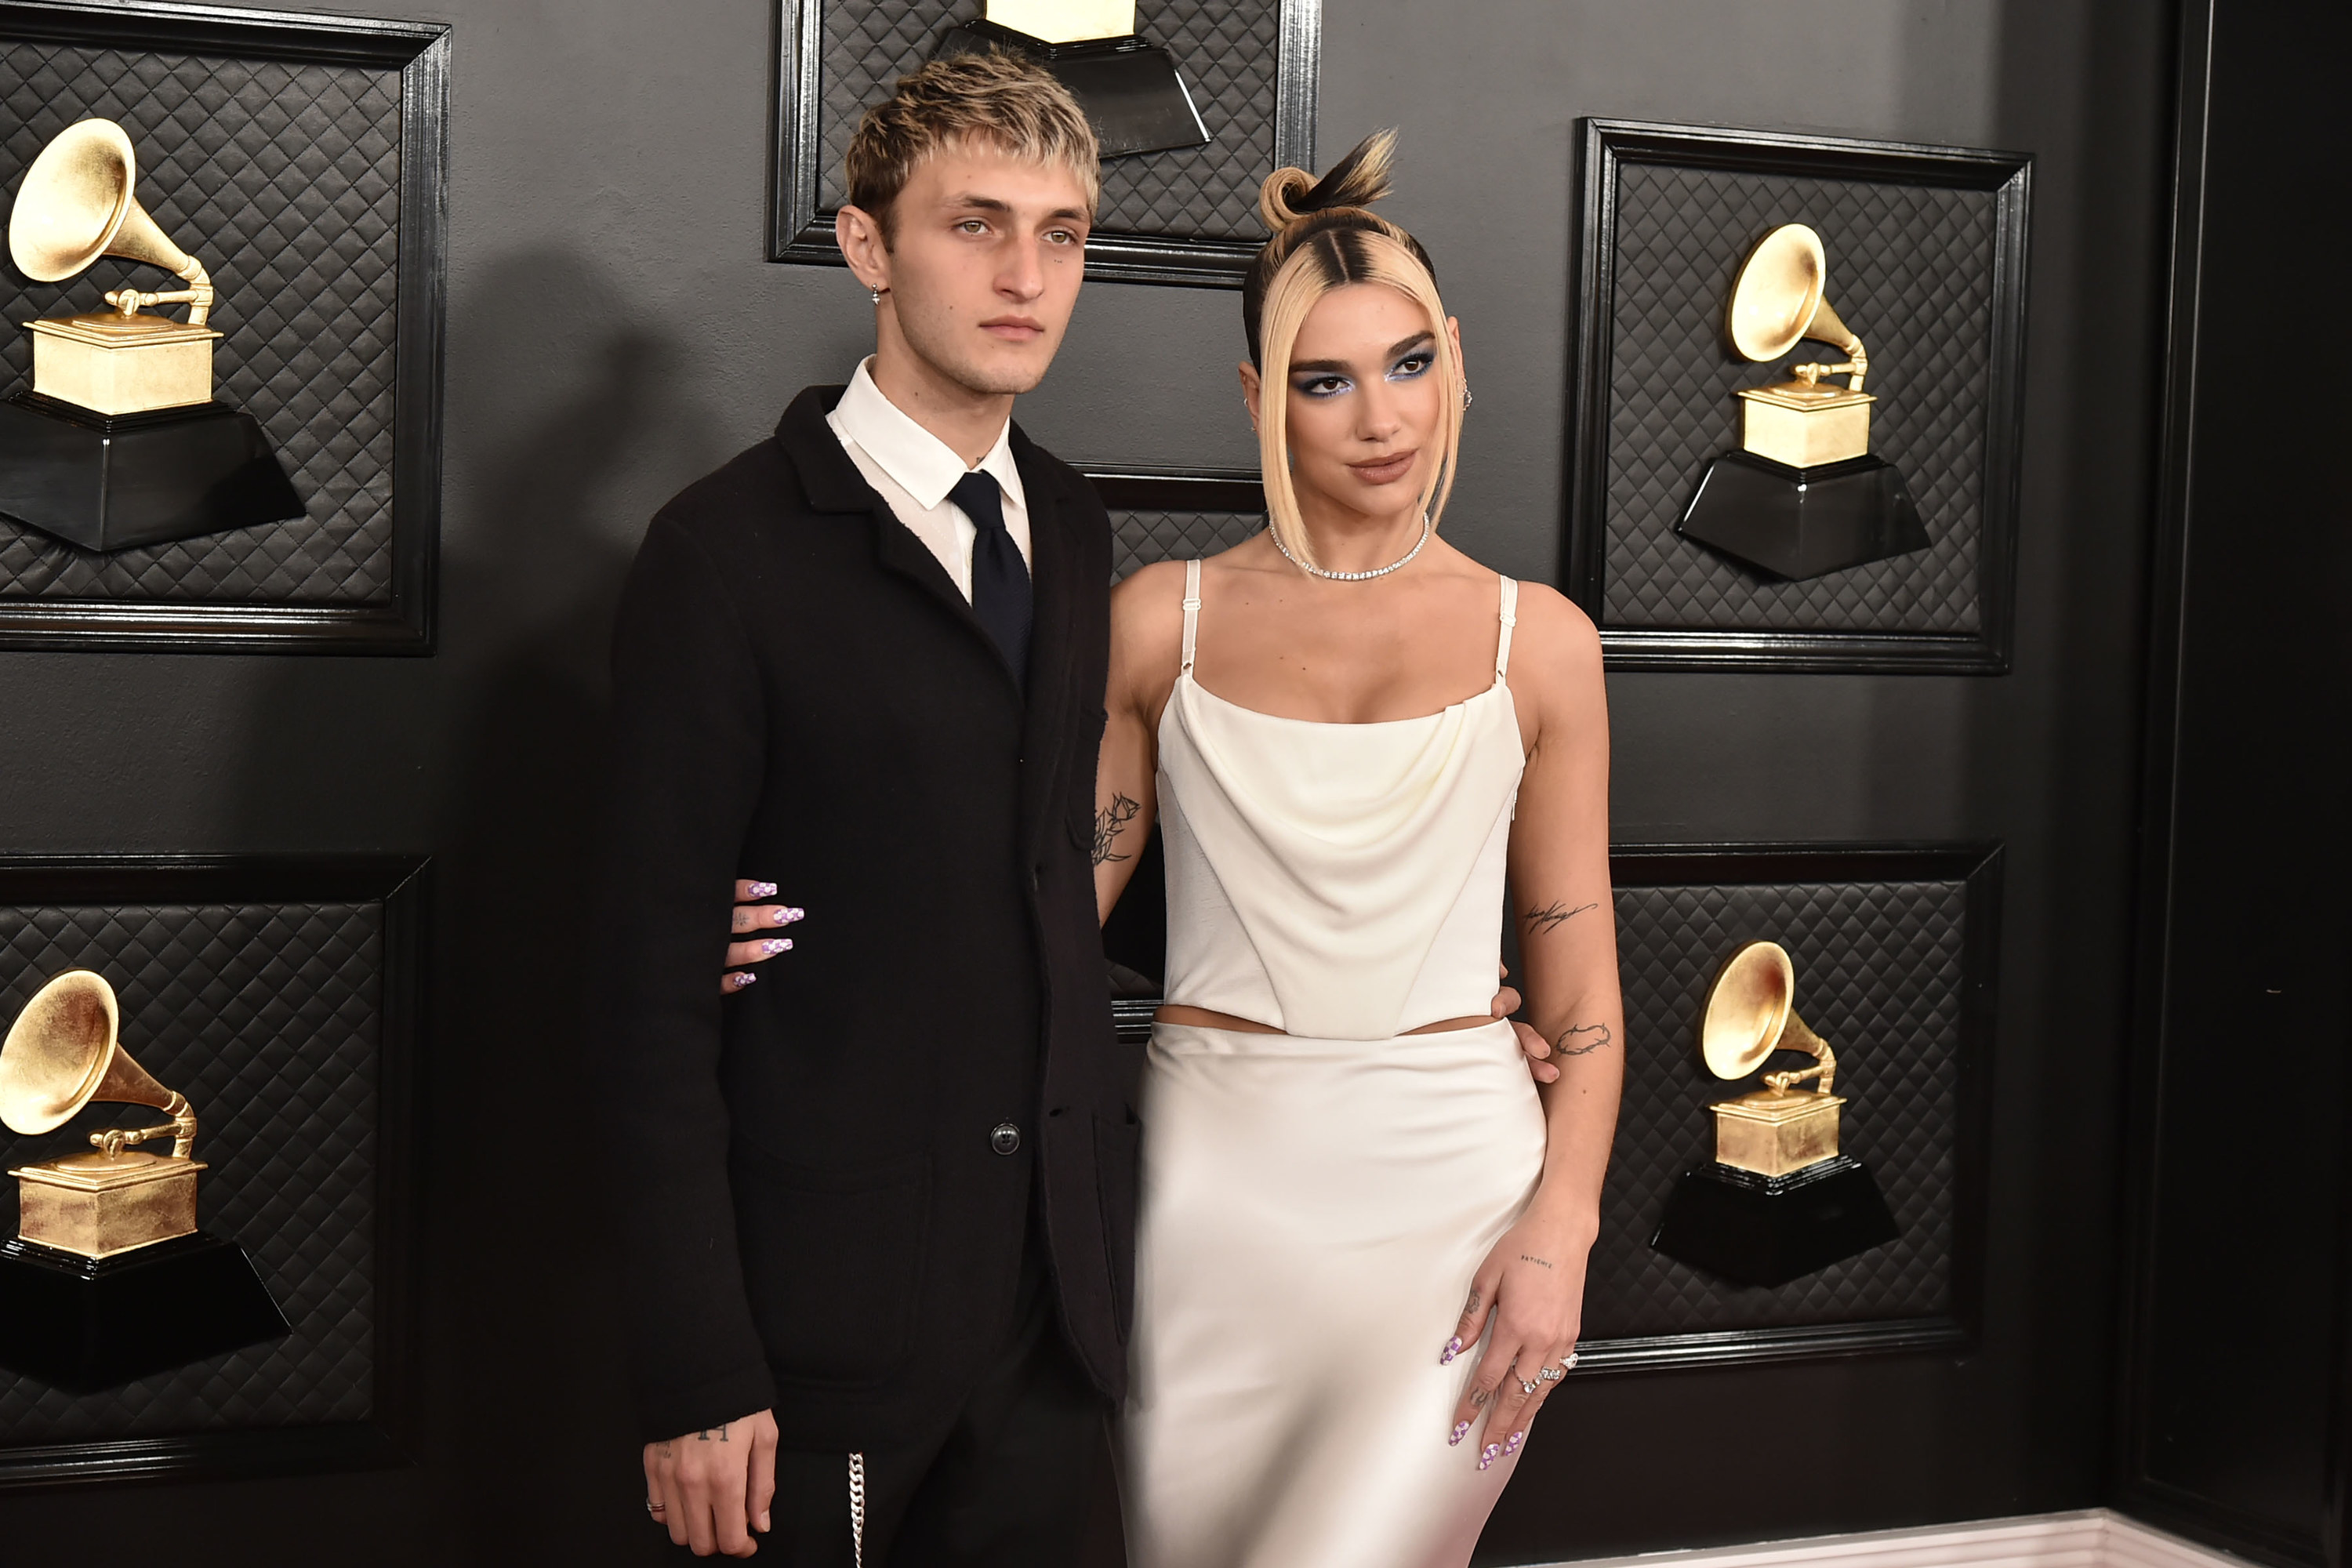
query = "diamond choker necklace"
x=1405 y=560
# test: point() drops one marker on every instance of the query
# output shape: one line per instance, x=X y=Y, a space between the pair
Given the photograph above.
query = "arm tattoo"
x=1531 y=1258
x=1554 y=915
x=1591 y=1038
x=1109 y=823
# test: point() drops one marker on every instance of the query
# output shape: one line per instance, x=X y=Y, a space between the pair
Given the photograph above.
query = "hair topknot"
x=1331 y=216
x=1358 y=180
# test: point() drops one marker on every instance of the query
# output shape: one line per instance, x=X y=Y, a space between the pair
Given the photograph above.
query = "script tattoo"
x=1554 y=915
x=1599 y=1035
x=1109 y=823
x=1531 y=1258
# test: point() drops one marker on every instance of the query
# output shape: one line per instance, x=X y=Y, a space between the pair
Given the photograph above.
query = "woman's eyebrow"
x=1340 y=367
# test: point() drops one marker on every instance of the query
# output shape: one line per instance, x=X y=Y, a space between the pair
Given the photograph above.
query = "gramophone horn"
x=1748 y=1015
x=77 y=205
x=1776 y=303
x=62 y=1053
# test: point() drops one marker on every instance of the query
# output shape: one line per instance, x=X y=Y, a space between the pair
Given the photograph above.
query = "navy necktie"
x=1000 y=578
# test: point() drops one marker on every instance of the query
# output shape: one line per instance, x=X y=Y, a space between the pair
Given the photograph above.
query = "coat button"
x=1004 y=1138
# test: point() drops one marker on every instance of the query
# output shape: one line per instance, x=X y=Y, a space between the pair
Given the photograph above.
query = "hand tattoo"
x=1554 y=915
x=664 y=1450
x=1109 y=823
x=1579 y=1032
x=704 y=1435
x=1531 y=1258
x=1470 y=1308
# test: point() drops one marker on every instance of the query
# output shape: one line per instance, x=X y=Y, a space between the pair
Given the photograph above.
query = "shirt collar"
x=917 y=461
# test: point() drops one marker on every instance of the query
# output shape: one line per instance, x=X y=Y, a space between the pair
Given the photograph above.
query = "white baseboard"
x=2095 y=1538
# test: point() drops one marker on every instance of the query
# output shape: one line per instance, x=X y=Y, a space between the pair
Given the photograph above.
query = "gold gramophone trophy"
x=120 y=442
x=1779 y=1201
x=1128 y=85
x=1803 y=496
x=107 y=1277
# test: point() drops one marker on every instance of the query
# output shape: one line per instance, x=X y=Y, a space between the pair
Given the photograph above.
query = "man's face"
x=986 y=257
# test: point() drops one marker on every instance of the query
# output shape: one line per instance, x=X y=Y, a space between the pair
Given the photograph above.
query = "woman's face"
x=1366 y=400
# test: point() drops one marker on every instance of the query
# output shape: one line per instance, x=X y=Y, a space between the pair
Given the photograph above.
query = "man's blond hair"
x=993 y=100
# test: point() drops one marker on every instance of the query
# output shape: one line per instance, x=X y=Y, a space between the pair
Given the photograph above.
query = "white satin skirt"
x=1312 y=1213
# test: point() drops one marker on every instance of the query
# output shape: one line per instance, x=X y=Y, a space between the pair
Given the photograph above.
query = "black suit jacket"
x=813 y=1211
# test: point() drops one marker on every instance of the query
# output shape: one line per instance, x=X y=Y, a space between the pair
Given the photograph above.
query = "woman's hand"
x=1532 y=1044
x=751 y=915
x=1532 y=1285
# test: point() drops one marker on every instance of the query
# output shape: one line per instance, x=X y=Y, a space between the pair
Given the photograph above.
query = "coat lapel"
x=834 y=484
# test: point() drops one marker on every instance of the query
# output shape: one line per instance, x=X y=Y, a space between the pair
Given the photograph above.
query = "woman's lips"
x=1385 y=471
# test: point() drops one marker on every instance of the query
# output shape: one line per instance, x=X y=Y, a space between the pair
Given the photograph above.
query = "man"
x=878 y=1210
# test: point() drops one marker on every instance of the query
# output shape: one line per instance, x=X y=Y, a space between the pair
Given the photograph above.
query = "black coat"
x=812 y=1210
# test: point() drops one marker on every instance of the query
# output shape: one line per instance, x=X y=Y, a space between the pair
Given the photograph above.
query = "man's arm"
x=686 y=769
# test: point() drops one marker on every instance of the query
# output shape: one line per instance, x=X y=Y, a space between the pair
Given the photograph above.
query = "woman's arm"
x=1147 y=617
x=1534 y=1279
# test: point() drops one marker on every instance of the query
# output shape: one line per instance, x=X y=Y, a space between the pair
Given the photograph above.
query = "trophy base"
x=111 y=482
x=1128 y=87
x=1803 y=523
x=1768 y=1230
x=84 y=1324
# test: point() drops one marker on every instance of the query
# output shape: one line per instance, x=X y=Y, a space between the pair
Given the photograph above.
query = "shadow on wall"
x=559 y=419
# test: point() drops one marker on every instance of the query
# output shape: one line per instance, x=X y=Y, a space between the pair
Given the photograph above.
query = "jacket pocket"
x=832 y=1263
x=1117 y=1143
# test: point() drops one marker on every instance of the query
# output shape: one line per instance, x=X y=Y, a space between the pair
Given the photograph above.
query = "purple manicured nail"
x=776 y=944
x=744 y=980
x=1452 y=1349
x=786 y=917
x=1511 y=1444
x=764 y=889
x=1489 y=1453
x=1461 y=1430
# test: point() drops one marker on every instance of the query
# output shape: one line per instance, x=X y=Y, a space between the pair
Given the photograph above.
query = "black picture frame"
x=1178 y=490
x=1610 y=146
x=400 y=884
x=1978 y=867
x=799 y=232
x=403 y=623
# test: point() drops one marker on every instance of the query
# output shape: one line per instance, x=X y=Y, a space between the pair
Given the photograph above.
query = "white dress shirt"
x=913 y=470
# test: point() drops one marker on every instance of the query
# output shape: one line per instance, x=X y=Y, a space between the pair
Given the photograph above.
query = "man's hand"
x=712 y=1488
x=755 y=915
x=1532 y=1045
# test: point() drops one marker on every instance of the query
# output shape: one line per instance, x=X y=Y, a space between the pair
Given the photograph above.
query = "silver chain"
x=857 y=1510
x=1405 y=560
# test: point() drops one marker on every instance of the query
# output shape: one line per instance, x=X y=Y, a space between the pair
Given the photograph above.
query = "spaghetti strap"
x=1191 y=611
x=1509 y=614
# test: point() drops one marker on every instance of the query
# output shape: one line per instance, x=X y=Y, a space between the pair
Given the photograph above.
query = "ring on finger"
x=1527 y=1385
x=1551 y=1374
x=655 y=1508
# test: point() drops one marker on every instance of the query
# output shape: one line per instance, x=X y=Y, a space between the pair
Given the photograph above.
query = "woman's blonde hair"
x=1325 y=237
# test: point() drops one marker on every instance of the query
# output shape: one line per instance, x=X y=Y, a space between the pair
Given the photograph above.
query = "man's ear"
x=1253 y=389
x=859 y=235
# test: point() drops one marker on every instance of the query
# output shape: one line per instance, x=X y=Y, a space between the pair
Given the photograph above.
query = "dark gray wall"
x=614 y=333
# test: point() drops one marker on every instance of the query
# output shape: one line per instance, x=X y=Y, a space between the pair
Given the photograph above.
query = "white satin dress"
x=1315 y=1202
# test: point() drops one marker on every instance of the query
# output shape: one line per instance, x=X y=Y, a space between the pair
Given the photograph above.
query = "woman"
x=1333 y=723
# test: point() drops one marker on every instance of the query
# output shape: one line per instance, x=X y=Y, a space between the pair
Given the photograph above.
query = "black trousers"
x=1006 y=1484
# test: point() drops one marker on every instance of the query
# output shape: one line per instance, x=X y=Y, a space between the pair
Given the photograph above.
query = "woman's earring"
x=1465 y=395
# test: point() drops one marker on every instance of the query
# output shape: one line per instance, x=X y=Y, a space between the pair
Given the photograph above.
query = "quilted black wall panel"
x=1139 y=538
x=1910 y=270
x=284 y=179
x=280 y=995
x=1879 y=975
